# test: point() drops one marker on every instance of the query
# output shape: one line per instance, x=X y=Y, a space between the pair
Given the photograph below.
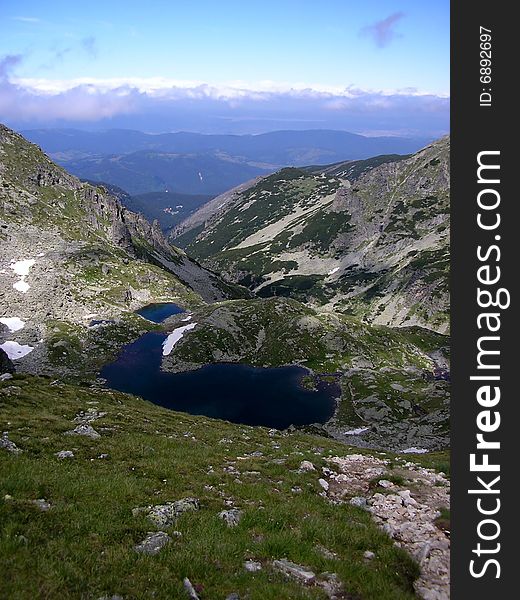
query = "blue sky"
x=373 y=47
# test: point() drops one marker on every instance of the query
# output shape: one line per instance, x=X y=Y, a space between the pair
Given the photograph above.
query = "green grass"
x=83 y=546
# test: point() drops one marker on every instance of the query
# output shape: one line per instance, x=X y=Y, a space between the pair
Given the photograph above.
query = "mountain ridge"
x=80 y=255
x=368 y=238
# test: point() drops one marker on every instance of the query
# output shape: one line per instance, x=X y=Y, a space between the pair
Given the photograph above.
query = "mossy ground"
x=83 y=546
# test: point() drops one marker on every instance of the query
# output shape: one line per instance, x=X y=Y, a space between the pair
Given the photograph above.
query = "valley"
x=301 y=317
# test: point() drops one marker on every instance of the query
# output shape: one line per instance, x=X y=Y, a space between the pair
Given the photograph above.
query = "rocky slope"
x=103 y=495
x=71 y=254
x=194 y=507
x=368 y=238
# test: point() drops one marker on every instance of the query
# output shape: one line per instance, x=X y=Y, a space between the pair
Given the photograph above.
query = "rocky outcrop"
x=406 y=510
x=6 y=364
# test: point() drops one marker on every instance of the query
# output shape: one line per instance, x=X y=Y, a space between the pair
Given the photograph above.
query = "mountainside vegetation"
x=86 y=257
x=338 y=269
x=228 y=505
x=366 y=238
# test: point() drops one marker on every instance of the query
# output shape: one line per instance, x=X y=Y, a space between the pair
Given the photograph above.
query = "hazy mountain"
x=281 y=148
x=191 y=163
x=150 y=171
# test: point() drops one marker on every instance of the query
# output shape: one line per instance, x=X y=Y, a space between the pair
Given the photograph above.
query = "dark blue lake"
x=239 y=393
x=159 y=312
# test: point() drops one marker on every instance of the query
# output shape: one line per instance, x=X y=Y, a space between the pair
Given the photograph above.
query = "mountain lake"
x=270 y=397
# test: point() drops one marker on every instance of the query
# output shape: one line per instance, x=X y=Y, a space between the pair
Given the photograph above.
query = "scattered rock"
x=306 y=465
x=384 y=483
x=324 y=484
x=233 y=596
x=368 y=555
x=153 y=543
x=301 y=574
x=65 y=454
x=231 y=517
x=6 y=377
x=332 y=586
x=252 y=566
x=42 y=504
x=326 y=553
x=359 y=501
x=10 y=446
x=190 y=590
x=165 y=515
x=89 y=415
x=408 y=520
x=84 y=429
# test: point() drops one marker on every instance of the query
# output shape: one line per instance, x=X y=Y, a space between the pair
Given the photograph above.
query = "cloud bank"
x=158 y=104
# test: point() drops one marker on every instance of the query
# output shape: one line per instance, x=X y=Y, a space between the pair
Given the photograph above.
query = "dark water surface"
x=239 y=393
x=159 y=312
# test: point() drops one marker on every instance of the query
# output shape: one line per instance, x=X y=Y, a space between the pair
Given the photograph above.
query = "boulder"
x=153 y=543
x=231 y=517
x=294 y=571
x=6 y=364
x=165 y=515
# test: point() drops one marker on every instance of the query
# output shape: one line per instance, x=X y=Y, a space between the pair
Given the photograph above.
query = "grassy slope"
x=83 y=546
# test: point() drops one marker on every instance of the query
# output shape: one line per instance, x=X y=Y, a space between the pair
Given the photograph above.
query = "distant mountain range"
x=192 y=163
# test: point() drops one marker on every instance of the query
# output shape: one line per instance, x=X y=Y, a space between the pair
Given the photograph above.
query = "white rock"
x=252 y=566
x=306 y=465
x=384 y=483
x=65 y=454
x=302 y=574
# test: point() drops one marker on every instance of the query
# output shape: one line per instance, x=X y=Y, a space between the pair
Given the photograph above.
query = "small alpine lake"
x=271 y=397
x=160 y=311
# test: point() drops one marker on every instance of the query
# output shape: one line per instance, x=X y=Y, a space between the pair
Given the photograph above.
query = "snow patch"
x=13 y=323
x=21 y=268
x=414 y=450
x=14 y=350
x=188 y=318
x=200 y=175
x=174 y=337
x=332 y=271
x=357 y=431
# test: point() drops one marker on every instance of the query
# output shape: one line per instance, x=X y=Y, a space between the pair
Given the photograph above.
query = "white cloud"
x=171 y=88
x=160 y=104
x=27 y=19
